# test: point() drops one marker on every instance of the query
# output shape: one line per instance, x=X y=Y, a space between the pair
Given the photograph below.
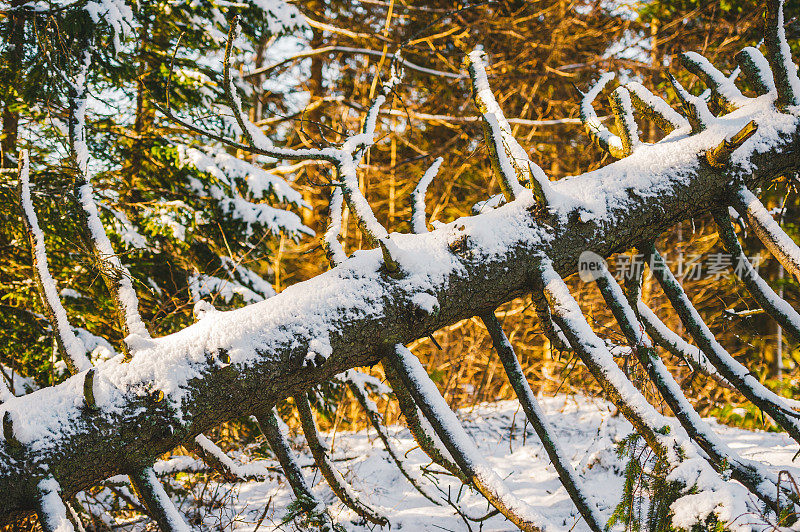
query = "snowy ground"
x=586 y=427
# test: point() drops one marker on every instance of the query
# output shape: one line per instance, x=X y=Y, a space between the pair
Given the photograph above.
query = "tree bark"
x=471 y=266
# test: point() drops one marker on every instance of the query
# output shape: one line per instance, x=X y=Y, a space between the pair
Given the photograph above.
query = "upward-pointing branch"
x=119 y=282
x=419 y=427
x=418 y=223
x=725 y=92
x=71 y=347
x=594 y=127
x=656 y=109
x=779 y=56
x=496 y=129
x=695 y=108
x=622 y=107
x=756 y=68
x=115 y=274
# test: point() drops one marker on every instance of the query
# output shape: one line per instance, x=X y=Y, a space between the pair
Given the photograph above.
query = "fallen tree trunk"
x=231 y=364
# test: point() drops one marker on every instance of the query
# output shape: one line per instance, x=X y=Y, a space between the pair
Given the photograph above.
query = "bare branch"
x=622 y=108
x=551 y=331
x=377 y=423
x=669 y=340
x=334 y=250
x=533 y=412
x=418 y=224
x=420 y=428
x=219 y=460
x=509 y=159
x=655 y=108
x=271 y=427
x=781 y=311
x=654 y=428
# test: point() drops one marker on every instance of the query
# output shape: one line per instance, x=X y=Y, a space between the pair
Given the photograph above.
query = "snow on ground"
x=587 y=428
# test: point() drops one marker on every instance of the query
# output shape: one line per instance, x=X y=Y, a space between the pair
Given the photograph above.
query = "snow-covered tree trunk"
x=119 y=416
